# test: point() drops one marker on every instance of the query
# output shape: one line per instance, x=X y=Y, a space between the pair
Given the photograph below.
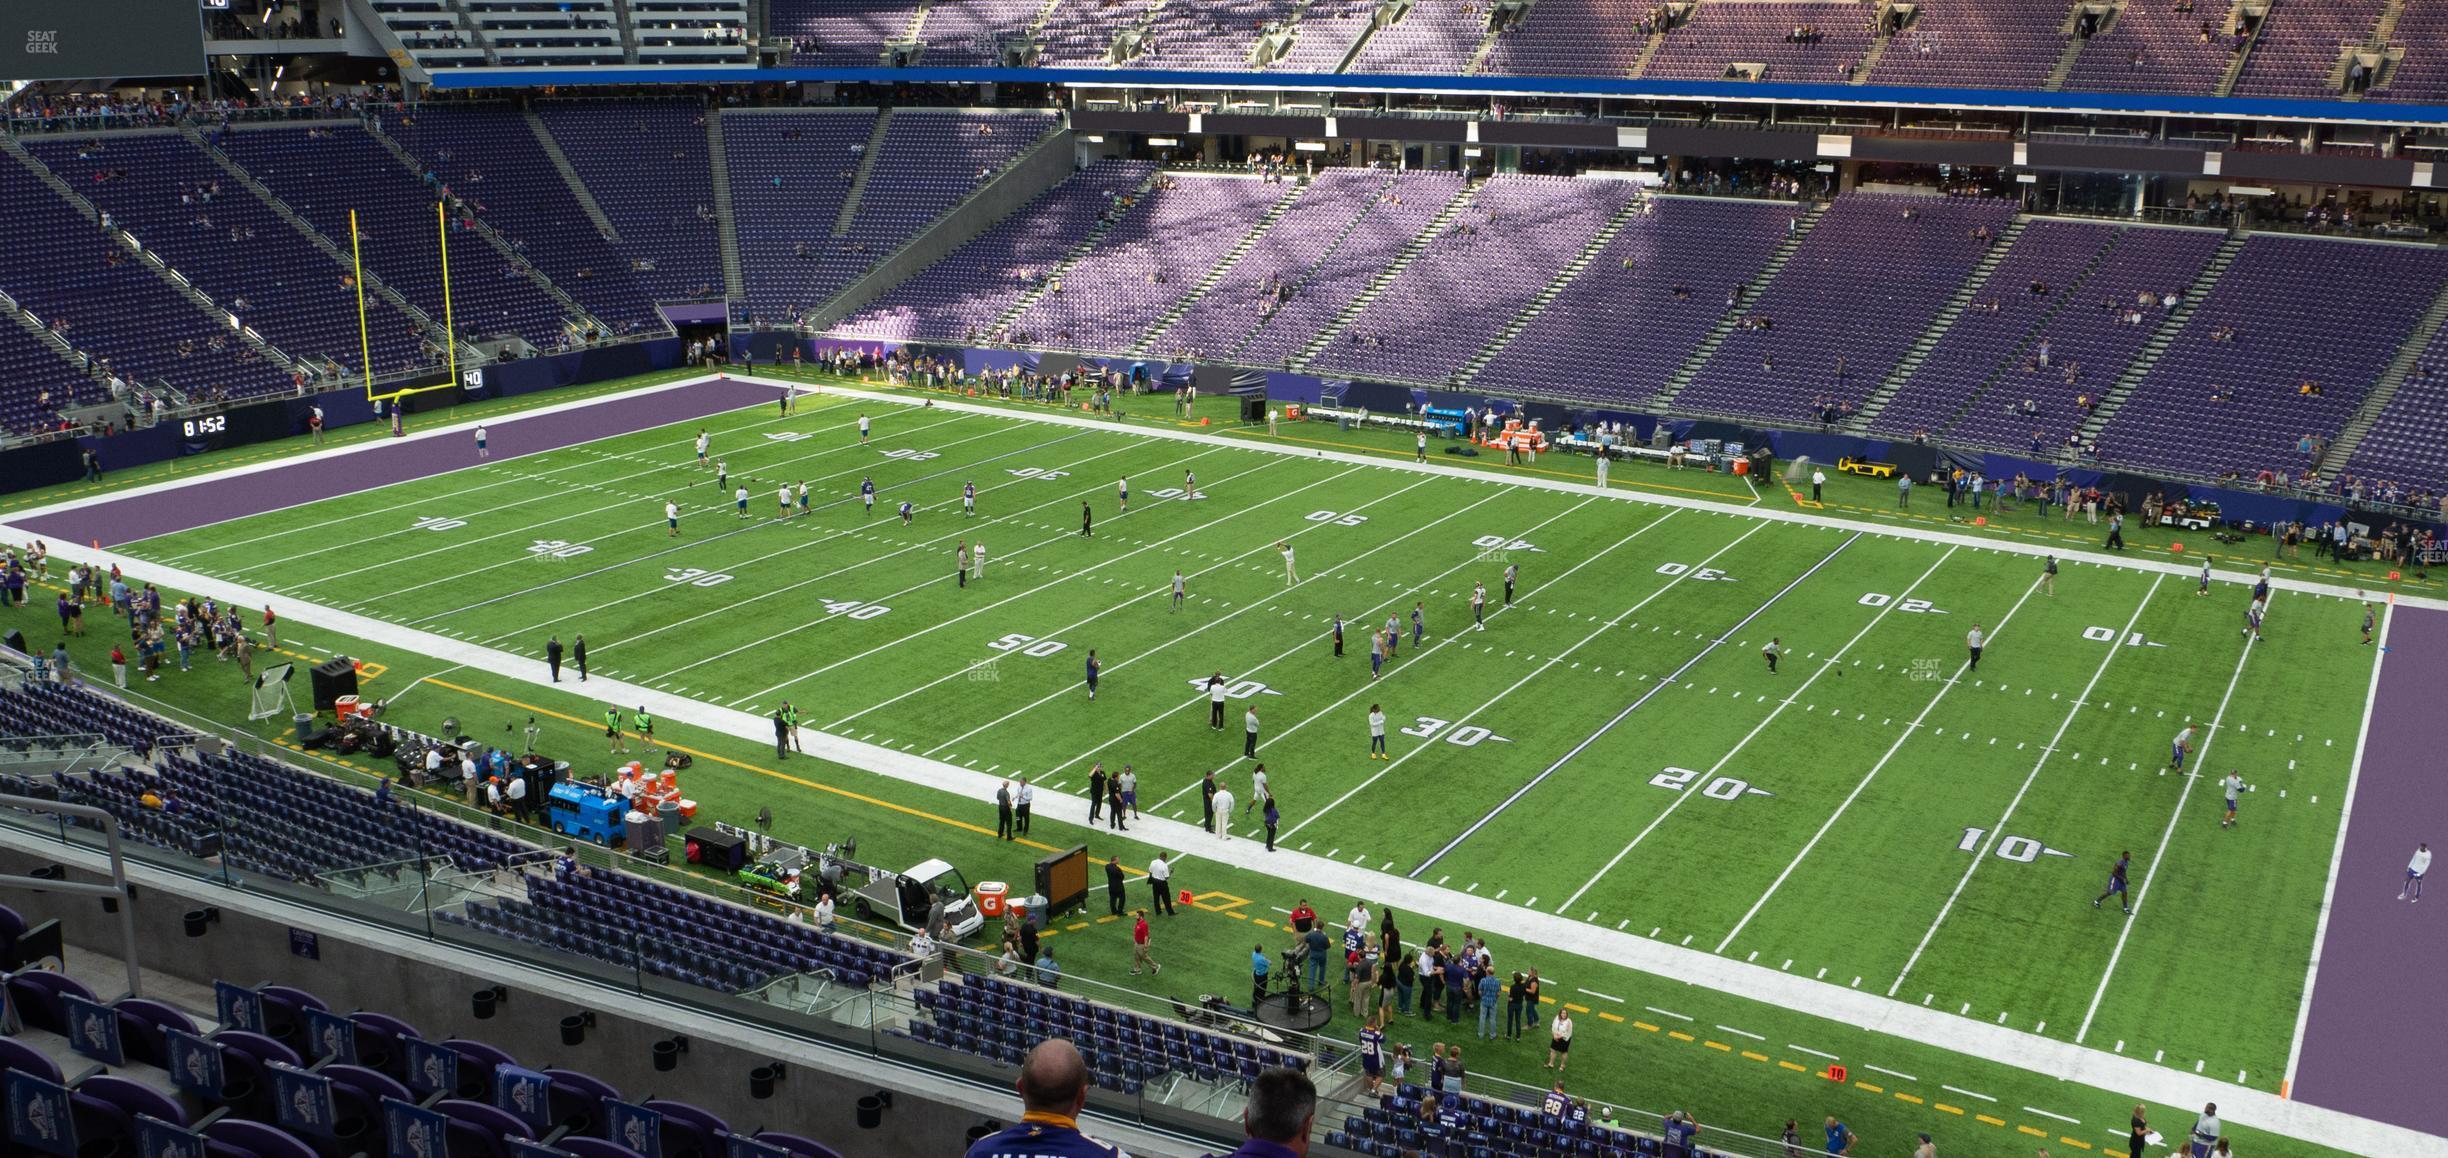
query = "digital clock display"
x=206 y=426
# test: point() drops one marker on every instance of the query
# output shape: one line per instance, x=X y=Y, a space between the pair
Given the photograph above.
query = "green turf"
x=1638 y=830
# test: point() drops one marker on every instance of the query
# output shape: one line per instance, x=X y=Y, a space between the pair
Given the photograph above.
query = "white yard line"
x=2047 y=751
x=2065 y=1061
x=2337 y=856
x=1654 y=688
x=1049 y=584
x=1901 y=739
x=1824 y=667
x=2199 y=769
x=1296 y=649
x=1518 y=684
x=1152 y=591
x=1262 y=603
x=989 y=521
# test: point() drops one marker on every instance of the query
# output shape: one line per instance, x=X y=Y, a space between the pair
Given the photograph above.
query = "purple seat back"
x=258 y=1139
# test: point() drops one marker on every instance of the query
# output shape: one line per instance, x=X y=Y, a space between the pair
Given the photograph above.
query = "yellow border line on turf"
x=786 y=777
x=1986 y=1118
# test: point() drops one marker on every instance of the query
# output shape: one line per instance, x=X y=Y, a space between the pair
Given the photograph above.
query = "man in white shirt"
x=1358 y=918
x=1160 y=881
x=1291 y=576
x=2206 y=1131
x=1376 y=722
x=1602 y=467
x=1249 y=733
x=2234 y=783
x=2416 y=869
x=1258 y=786
x=1973 y=640
x=671 y=520
x=516 y=795
x=1224 y=812
x=977 y=561
x=1818 y=480
x=1020 y=806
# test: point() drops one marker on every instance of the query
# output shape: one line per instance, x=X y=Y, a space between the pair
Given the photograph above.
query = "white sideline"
x=1876 y=1013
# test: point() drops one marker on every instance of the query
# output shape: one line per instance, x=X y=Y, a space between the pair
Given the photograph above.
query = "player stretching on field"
x=2234 y=783
x=2252 y=622
x=906 y=511
x=2177 y=749
x=2116 y=884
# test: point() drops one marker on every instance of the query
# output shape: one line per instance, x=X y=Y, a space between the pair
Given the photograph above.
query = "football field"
x=1605 y=742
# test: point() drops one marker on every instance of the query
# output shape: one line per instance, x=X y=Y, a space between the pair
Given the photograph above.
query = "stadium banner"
x=128 y=39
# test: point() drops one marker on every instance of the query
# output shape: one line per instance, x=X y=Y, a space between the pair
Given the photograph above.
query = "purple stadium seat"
x=258 y=1138
x=40 y=998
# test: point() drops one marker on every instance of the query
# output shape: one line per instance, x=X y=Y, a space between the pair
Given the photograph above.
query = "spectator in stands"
x=1053 y=1086
x=1281 y=1111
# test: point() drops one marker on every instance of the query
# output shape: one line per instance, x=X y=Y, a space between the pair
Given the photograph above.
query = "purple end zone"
x=211 y=500
x=2376 y=1043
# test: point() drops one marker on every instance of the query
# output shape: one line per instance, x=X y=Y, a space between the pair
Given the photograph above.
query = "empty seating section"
x=110 y=1107
x=1325 y=35
x=36 y=380
x=1333 y=201
x=645 y=164
x=674 y=933
x=1213 y=36
x=2298 y=310
x=790 y=172
x=2152 y=47
x=931 y=161
x=1862 y=285
x=972 y=32
x=2042 y=275
x=60 y=268
x=2093 y=335
x=996 y=1018
x=489 y=156
x=295 y=295
x=1436 y=38
x=1155 y=254
x=2408 y=445
x=840 y=33
x=1333 y=279
x=1478 y=1126
x=1081 y=34
x=324 y=171
x=959 y=297
x=2422 y=30
x=1621 y=328
x=1976 y=44
x=689 y=31
x=1570 y=38
x=1763 y=32
x=1495 y=255
x=37 y=709
x=532 y=32
x=2299 y=45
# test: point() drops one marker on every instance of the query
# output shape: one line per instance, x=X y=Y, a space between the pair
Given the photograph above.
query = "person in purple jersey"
x=1372 y=1051
x=2116 y=884
x=1053 y=1087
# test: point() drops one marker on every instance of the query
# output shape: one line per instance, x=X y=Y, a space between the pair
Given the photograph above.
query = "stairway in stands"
x=735 y=284
x=1377 y=286
x=1938 y=326
x=569 y=176
x=866 y=169
x=139 y=254
x=1690 y=369
x=1266 y=221
x=2113 y=399
x=1468 y=371
x=1062 y=269
x=1325 y=252
x=2072 y=51
x=2341 y=449
x=2030 y=338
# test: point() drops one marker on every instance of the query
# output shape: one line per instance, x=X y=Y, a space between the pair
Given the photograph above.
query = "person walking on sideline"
x=1903 y=492
x=1020 y=806
x=2416 y=870
x=1087 y=521
x=1096 y=791
x=1140 y=934
x=2048 y=577
x=481 y=452
x=2116 y=884
x=1003 y=811
x=2206 y=1131
x=1249 y=733
x=1223 y=812
x=1420 y=446
x=271 y=622
x=1818 y=482
x=781 y=736
x=578 y=655
x=1215 y=701
x=1093 y=669
x=1116 y=886
x=1273 y=817
x=552 y=657
x=1972 y=642
x=614 y=741
x=1559 y=1040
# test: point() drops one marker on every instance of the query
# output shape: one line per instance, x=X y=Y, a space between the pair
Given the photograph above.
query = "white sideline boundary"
x=1876 y=1013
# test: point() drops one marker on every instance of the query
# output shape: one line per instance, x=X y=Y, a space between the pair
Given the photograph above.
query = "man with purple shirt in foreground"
x=1282 y=1107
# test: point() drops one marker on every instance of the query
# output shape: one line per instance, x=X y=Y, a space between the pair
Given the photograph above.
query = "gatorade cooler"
x=990 y=896
x=347 y=706
x=1742 y=466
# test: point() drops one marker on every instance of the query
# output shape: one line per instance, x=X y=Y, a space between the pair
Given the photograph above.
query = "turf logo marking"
x=787 y=436
x=2109 y=634
x=1698 y=575
x=1337 y=518
x=2019 y=849
x=907 y=455
x=1721 y=788
x=433 y=523
x=1036 y=472
x=987 y=672
x=695 y=577
x=558 y=549
x=1927 y=670
x=1498 y=544
x=1910 y=606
